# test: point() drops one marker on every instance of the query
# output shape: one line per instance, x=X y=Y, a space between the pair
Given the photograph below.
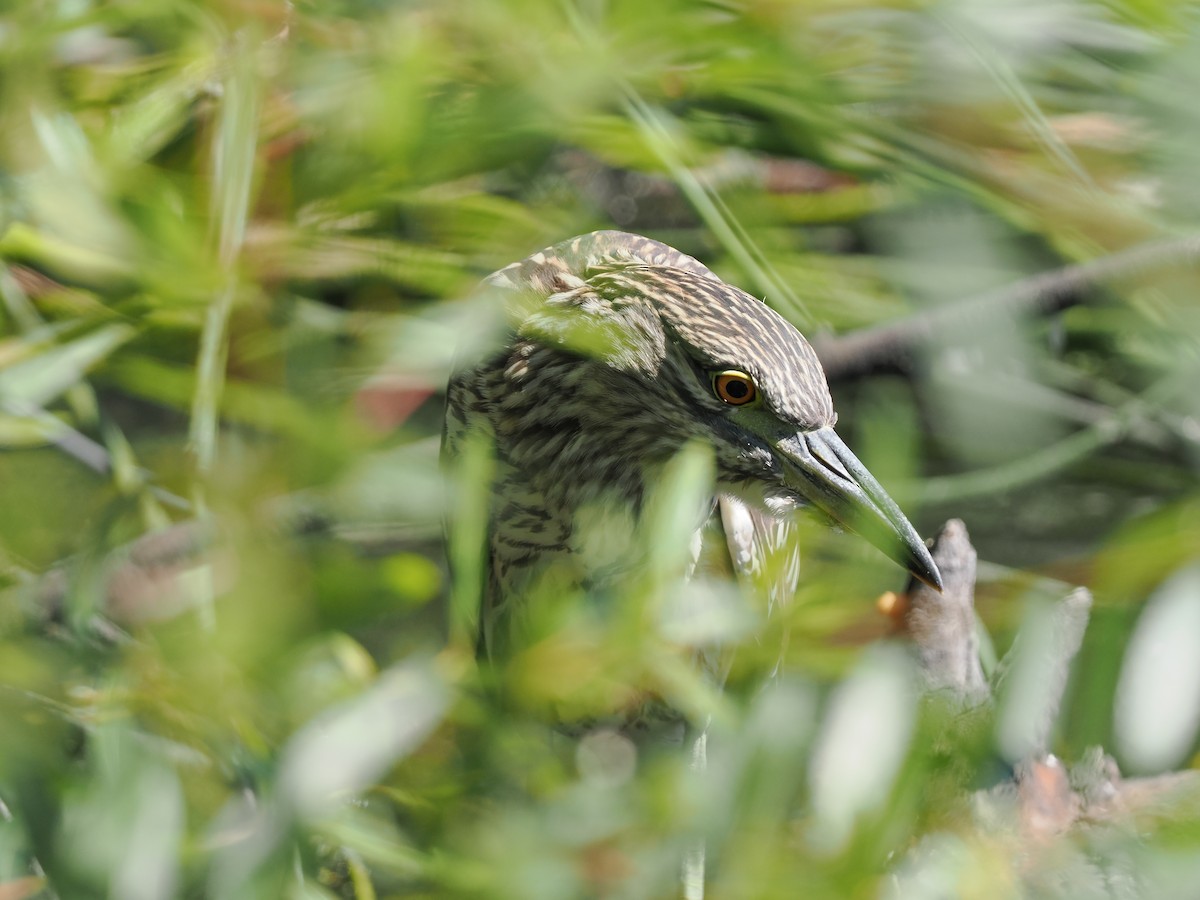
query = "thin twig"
x=941 y=624
x=1059 y=455
x=893 y=345
x=145 y=580
x=83 y=449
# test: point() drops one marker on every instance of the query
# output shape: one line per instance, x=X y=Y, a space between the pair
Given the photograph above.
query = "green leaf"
x=36 y=382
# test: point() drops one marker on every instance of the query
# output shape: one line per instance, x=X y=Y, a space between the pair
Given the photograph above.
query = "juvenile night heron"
x=622 y=351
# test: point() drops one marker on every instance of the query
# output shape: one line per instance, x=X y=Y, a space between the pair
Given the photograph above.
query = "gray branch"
x=893 y=345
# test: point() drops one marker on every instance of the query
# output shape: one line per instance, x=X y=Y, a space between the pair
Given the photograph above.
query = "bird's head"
x=667 y=355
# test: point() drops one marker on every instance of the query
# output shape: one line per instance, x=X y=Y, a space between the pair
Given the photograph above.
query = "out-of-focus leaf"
x=679 y=504
x=1157 y=713
x=414 y=578
x=19 y=431
x=349 y=256
x=862 y=744
x=124 y=825
x=234 y=153
x=328 y=671
x=141 y=128
x=257 y=405
x=22 y=241
x=35 y=382
x=349 y=748
x=1034 y=675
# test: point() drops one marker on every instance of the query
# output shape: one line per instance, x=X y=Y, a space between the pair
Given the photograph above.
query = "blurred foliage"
x=237 y=240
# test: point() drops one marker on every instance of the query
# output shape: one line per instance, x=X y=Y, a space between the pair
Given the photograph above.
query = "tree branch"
x=893 y=345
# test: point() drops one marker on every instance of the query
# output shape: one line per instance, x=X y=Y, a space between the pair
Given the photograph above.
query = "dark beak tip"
x=932 y=580
x=925 y=570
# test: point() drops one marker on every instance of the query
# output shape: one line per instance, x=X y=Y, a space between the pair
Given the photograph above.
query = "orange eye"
x=734 y=387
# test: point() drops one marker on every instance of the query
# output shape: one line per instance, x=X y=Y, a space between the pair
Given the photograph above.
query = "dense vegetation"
x=238 y=242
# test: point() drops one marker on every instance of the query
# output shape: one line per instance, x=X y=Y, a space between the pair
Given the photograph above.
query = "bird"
x=619 y=352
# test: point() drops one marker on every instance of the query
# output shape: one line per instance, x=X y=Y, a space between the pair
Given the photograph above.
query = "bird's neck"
x=580 y=532
x=574 y=461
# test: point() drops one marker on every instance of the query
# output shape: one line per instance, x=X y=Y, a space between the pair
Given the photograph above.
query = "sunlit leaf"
x=1158 y=698
x=37 y=381
x=861 y=745
x=350 y=747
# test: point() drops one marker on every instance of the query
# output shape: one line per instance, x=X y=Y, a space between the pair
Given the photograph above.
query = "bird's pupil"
x=736 y=389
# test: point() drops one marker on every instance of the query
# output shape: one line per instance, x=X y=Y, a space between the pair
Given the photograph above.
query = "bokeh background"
x=238 y=243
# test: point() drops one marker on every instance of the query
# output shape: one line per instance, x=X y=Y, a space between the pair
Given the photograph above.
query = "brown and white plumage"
x=609 y=371
x=614 y=363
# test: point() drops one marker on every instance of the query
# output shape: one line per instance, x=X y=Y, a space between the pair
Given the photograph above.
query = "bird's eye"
x=734 y=387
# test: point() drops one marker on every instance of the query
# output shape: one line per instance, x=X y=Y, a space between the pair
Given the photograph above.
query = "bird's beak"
x=823 y=470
